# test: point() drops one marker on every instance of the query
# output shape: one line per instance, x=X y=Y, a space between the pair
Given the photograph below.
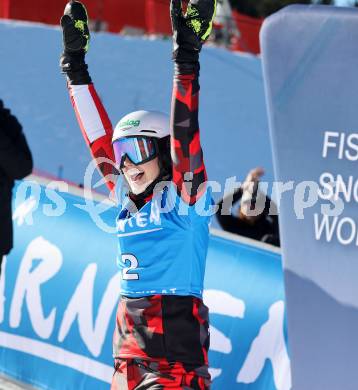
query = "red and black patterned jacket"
x=160 y=326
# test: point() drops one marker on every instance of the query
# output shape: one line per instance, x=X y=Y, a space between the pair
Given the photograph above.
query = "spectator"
x=15 y=163
x=250 y=222
x=224 y=26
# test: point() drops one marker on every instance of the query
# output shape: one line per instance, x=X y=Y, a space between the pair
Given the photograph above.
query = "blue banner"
x=60 y=287
x=310 y=61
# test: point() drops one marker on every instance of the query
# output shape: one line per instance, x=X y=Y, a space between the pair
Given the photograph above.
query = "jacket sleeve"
x=187 y=156
x=15 y=155
x=96 y=128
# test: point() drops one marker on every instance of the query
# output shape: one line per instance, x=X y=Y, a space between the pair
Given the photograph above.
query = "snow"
x=131 y=74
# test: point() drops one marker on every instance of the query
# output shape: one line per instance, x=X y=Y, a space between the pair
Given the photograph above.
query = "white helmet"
x=142 y=123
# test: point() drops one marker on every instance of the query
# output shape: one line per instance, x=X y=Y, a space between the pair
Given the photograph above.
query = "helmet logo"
x=129 y=122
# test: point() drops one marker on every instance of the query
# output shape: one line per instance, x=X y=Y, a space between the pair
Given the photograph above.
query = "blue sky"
x=343 y=2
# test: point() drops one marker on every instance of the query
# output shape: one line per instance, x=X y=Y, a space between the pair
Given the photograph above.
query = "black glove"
x=191 y=30
x=76 y=39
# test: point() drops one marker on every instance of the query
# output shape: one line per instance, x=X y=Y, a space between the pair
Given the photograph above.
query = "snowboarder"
x=161 y=338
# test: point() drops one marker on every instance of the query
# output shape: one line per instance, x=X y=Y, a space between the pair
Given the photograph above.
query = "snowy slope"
x=131 y=74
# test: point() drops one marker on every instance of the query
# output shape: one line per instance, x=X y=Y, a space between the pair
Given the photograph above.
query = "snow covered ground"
x=131 y=74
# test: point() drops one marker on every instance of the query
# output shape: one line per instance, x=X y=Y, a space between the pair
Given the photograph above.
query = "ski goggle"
x=138 y=150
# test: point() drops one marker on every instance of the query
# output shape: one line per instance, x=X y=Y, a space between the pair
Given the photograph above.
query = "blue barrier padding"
x=60 y=288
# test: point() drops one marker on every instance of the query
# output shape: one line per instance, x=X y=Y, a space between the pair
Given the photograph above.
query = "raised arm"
x=92 y=117
x=190 y=30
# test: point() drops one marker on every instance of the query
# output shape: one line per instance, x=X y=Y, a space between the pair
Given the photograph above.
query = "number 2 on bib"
x=127 y=273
